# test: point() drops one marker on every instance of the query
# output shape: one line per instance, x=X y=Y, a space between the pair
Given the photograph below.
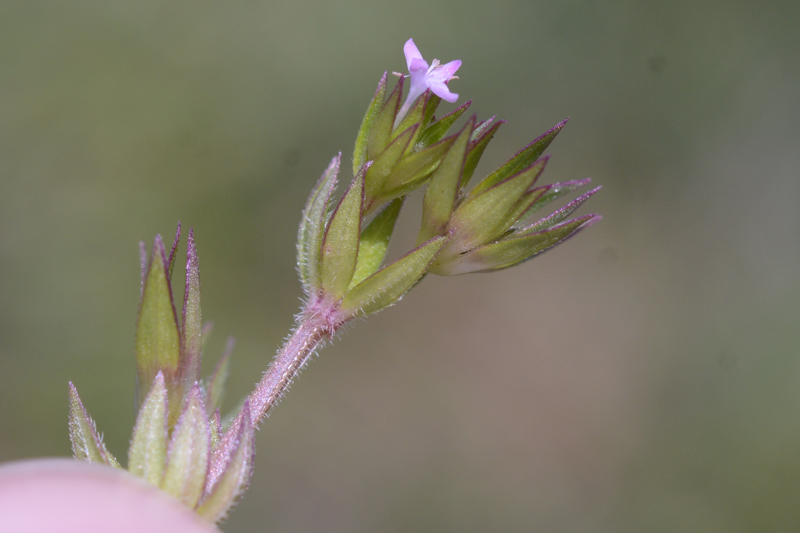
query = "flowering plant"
x=180 y=442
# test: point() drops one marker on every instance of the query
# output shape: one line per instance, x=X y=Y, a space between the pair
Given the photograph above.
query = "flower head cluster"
x=462 y=230
x=178 y=441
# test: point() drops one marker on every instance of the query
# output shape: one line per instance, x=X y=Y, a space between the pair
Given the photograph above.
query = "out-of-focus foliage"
x=647 y=378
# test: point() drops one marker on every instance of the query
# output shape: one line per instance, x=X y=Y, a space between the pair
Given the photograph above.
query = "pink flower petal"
x=441 y=90
x=450 y=68
x=417 y=67
x=412 y=52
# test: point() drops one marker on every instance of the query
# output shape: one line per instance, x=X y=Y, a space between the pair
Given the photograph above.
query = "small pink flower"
x=423 y=77
x=433 y=77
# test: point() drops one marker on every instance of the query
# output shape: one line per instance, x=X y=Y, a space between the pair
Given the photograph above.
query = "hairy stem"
x=317 y=323
x=313 y=329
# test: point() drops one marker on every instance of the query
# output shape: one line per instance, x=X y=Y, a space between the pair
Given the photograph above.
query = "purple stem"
x=309 y=334
x=316 y=324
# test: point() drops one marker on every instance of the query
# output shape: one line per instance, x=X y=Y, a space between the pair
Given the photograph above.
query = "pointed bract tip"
x=595 y=218
x=235 y=478
x=195 y=392
x=143 y=261
x=158 y=249
x=382 y=83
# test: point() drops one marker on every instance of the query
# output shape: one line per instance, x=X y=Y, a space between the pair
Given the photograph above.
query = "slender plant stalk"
x=309 y=334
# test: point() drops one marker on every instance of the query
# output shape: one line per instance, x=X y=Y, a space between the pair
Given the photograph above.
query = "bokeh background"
x=643 y=377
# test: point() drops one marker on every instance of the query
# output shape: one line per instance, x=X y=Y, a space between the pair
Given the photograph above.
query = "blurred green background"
x=643 y=377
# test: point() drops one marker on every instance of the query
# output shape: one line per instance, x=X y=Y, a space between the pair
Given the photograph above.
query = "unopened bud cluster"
x=178 y=443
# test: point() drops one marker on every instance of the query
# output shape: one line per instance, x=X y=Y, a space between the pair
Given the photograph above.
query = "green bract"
x=312 y=227
x=386 y=286
x=442 y=191
x=375 y=241
x=87 y=443
x=147 y=455
x=340 y=245
x=157 y=335
x=188 y=454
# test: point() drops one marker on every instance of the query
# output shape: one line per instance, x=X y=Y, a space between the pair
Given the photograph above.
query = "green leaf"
x=375 y=242
x=360 y=152
x=520 y=208
x=157 y=337
x=531 y=198
x=340 y=246
x=171 y=261
x=486 y=216
x=430 y=109
x=514 y=250
x=443 y=187
x=412 y=171
x=437 y=131
x=191 y=334
x=415 y=115
x=382 y=166
x=389 y=284
x=480 y=128
x=550 y=193
x=148 y=452
x=189 y=451
x=559 y=215
x=226 y=443
x=383 y=124
x=312 y=227
x=216 y=383
x=215 y=430
x=236 y=474
x=520 y=160
x=87 y=443
x=475 y=151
